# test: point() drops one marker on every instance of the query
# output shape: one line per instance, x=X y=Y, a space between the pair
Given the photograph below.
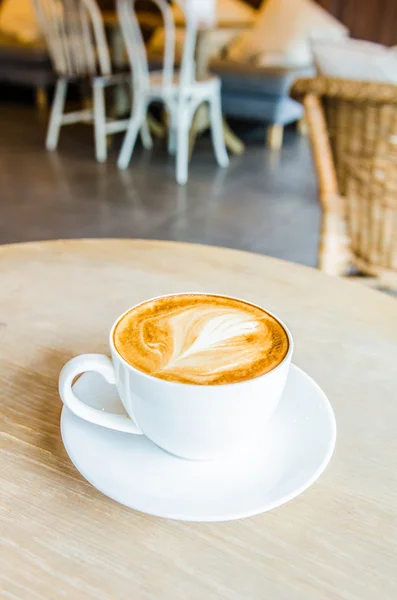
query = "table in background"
x=61 y=538
x=154 y=19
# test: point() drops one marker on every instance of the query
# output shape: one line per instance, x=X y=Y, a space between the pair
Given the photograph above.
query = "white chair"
x=75 y=36
x=179 y=90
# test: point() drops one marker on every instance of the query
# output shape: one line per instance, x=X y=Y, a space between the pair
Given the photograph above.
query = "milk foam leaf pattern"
x=217 y=329
x=201 y=339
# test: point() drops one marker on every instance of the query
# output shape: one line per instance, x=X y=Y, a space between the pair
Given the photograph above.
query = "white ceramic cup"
x=198 y=422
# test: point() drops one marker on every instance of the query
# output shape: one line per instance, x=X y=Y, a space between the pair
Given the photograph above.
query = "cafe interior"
x=268 y=126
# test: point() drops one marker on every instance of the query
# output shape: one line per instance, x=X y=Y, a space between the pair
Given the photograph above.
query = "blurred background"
x=265 y=126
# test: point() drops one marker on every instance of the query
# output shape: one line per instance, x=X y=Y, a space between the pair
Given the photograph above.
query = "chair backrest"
x=361 y=126
x=136 y=48
x=75 y=36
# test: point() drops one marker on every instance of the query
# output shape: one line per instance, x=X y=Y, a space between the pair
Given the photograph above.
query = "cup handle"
x=103 y=365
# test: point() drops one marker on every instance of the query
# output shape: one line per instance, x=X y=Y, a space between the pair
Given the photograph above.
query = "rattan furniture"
x=353 y=131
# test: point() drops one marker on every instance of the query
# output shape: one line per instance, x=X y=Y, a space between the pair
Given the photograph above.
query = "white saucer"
x=297 y=445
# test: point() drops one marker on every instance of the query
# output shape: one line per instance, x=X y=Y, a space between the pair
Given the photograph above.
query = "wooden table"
x=62 y=539
x=154 y=19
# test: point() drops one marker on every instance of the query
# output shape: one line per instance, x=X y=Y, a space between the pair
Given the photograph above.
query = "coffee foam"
x=200 y=339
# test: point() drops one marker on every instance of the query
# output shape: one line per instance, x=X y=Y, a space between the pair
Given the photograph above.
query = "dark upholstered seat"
x=24 y=64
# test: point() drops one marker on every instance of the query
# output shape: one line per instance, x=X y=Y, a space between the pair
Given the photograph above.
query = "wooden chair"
x=179 y=90
x=353 y=131
x=75 y=36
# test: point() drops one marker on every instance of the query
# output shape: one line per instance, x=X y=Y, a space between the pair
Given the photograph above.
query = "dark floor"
x=264 y=203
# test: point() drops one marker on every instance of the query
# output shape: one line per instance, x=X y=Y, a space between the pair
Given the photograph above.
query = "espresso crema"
x=200 y=339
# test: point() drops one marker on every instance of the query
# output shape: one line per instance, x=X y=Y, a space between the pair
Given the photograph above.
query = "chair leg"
x=135 y=125
x=217 y=131
x=41 y=99
x=275 y=135
x=233 y=143
x=334 y=257
x=170 y=123
x=99 y=121
x=172 y=141
x=182 y=153
x=145 y=135
x=155 y=127
x=302 y=126
x=193 y=132
x=58 y=105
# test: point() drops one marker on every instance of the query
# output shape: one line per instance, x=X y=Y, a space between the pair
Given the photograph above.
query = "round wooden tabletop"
x=61 y=538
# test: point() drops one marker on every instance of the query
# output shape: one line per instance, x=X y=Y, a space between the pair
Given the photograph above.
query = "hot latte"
x=200 y=339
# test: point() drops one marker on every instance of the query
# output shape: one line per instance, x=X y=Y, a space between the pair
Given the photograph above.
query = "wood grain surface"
x=62 y=539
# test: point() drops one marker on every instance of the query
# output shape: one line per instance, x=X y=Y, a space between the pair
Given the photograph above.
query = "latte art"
x=200 y=339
